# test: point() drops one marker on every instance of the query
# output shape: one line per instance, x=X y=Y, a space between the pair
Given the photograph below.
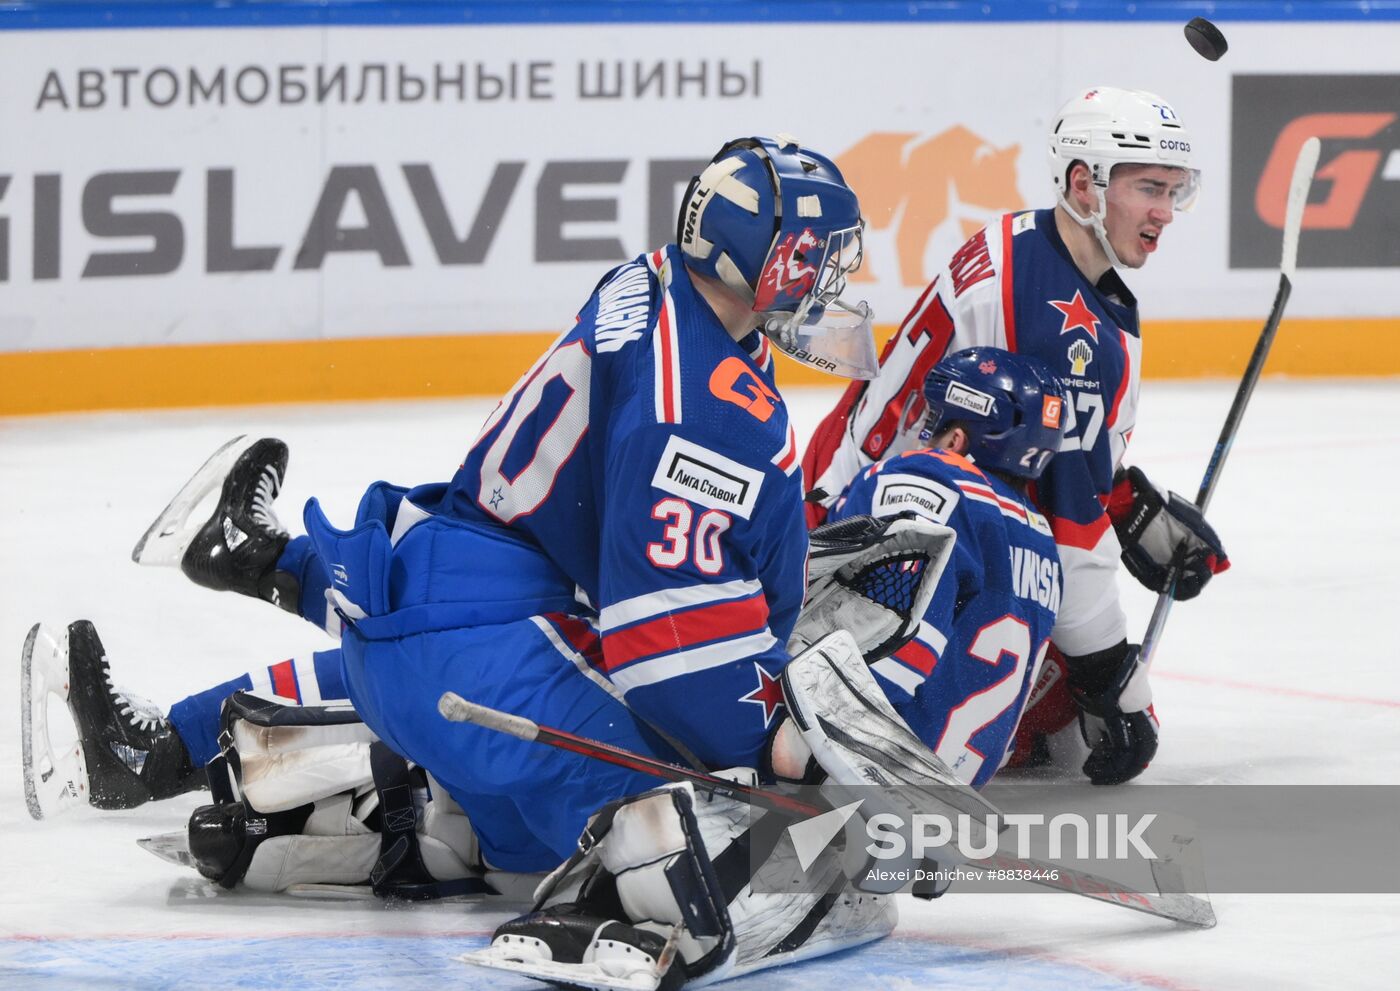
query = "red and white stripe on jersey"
x=786 y=458
x=763 y=354
x=661 y=635
x=1085 y=536
x=575 y=638
x=978 y=492
x=293 y=679
x=1008 y=281
x=910 y=665
x=1128 y=369
x=665 y=346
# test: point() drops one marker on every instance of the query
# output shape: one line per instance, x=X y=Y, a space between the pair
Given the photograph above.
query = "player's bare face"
x=1141 y=200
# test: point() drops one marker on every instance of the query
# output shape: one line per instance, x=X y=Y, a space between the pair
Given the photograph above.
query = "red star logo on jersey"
x=768 y=694
x=1077 y=314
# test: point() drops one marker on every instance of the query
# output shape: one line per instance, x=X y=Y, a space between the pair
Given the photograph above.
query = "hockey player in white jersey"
x=1046 y=283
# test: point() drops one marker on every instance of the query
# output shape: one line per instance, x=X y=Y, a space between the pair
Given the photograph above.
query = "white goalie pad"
x=770 y=921
x=165 y=541
x=860 y=741
x=55 y=779
x=283 y=767
x=874 y=577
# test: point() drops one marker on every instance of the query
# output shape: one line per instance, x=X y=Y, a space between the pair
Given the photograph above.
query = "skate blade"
x=582 y=975
x=53 y=782
x=165 y=541
x=173 y=848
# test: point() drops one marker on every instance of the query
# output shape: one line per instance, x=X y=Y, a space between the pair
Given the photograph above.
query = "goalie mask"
x=1105 y=127
x=1011 y=406
x=777 y=224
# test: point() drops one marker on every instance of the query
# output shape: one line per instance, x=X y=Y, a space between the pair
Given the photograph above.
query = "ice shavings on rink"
x=1283 y=672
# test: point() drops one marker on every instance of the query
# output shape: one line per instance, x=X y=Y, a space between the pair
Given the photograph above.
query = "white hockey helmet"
x=1107 y=126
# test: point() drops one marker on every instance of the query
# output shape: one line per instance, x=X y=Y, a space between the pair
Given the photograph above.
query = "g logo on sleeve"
x=734 y=382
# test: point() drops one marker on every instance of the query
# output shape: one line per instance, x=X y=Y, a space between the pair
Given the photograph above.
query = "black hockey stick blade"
x=1303 y=169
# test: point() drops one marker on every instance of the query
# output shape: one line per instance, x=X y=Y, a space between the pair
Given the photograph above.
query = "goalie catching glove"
x=1160 y=530
x=873 y=576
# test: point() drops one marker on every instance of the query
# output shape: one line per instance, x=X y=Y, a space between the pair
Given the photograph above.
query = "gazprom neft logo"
x=707 y=478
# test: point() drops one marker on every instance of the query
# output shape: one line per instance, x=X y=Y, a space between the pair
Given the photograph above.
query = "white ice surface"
x=1284 y=672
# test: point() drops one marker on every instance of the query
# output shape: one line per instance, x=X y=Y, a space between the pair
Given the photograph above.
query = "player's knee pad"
x=308 y=795
x=665 y=888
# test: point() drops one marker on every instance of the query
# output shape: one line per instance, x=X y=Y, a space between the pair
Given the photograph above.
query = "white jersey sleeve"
x=961 y=308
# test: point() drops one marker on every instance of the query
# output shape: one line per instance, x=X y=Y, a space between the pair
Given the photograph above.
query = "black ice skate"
x=236 y=549
x=127 y=752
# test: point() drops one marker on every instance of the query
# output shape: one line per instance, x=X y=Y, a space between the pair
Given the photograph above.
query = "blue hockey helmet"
x=779 y=226
x=1011 y=405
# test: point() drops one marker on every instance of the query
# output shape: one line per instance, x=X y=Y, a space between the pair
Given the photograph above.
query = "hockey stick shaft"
x=1179 y=907
x=1298 y=187
x=456 y=709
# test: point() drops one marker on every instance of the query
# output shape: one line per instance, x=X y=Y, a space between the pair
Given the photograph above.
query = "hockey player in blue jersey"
x=995 y=420
x=624 y=536
x=622 y=554
x=1046 y=283
x=959 y=685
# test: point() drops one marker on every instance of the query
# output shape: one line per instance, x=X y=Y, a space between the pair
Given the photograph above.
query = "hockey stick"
x=1174 y=905
x=1303 y=170
x=456 y=709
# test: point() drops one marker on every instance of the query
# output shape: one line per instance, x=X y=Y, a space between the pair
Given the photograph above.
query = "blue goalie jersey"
x=962 y=682
x=649 y=457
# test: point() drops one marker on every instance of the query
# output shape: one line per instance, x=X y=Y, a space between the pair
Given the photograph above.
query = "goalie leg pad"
x=309 y=796
x=669 y=874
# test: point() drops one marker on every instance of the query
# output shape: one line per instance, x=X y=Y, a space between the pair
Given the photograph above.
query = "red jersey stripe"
x=1082 y=535
x=578 y=635
x=917 y=656
x=1008 y=295
x=677 y=631
x=284 y=680
x=1122 y=382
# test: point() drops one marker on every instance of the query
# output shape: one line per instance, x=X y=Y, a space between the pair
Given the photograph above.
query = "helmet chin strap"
x=1095 y=222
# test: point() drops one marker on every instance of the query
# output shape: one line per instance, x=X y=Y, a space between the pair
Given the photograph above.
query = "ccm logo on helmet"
x=1174 y=144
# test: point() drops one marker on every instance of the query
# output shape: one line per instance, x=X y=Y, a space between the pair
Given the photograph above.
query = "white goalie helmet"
x=1106 y=126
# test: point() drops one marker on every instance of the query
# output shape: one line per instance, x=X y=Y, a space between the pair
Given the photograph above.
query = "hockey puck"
x=1206 y=38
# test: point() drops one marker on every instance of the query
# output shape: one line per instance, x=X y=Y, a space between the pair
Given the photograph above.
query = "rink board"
x=259 y=174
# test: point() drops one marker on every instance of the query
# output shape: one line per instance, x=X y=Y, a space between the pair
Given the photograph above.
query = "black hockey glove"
x=1122 y=743
x=1159 y=529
